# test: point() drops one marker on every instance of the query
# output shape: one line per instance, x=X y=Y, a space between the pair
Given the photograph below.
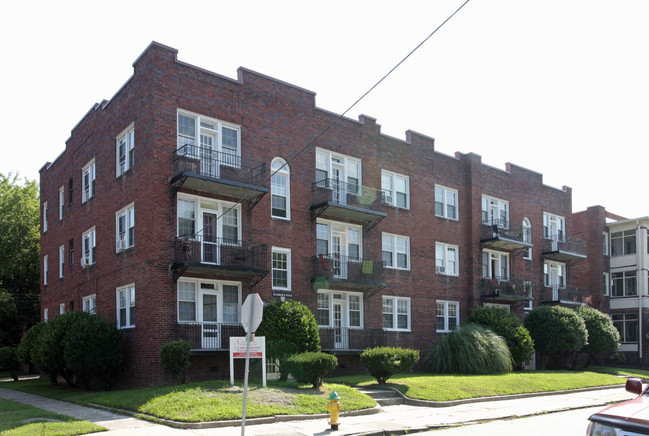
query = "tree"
x=19 y=257
x=602 y=334
x=556 y=329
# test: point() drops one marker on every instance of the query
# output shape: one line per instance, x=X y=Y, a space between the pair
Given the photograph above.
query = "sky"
x=560 y=87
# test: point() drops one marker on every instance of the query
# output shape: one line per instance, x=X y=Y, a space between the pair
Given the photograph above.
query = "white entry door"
x=210 y=333
x=341 y=332
x=209 y=155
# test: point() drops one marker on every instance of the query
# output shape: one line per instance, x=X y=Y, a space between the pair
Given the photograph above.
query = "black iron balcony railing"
x=347 y=200
x=563 y=248
x=505 y=235
x=566 y=294
x=217 y=172
x=505 y=288
x=223 y=254
x=358 y=339
x=208 y=335
x=354 y=271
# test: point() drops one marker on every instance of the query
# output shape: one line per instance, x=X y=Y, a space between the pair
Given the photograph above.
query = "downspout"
x=640 y=249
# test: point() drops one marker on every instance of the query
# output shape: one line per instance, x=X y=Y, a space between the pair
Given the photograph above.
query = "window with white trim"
x=90 y=304
x=61 y=261
x=447 y=315
x=88 y=241
x=125 y=228
x=607 y=284
x=605 y=237
x=446 y=259
x=339 y=309
x=554 y=227
x=212 y=221
x=125 y=150
x=625 y=284
x=45 y=217
x=495 y=211
x=527 y=238
x=88 y=176
x=396 y=251
x=62 y=309
x=623 y=243
x=126 y=306
x=46 y=314
x=396 y=189
x=213 y=142
x=61 y=201
x=527 y=289
x=495 y=265
x=45 y=269
x=280 y=189
x=446 y=204
x=627 y=325
x=338 y=172
x=554 y=274
x=339 y=244
x=209 y=301
x=281 y=263
x=396 y=313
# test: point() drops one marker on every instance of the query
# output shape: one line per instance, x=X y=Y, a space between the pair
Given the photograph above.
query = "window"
x=90 y=304
x=45 y=269
x=125 y=224
x=338 y=172
x=554 y=227
x=527 y=238
x=126 y=306
x=45 y=217
x=124 y=151
x=396 y=251
x=61 y=261
x=209 y=301
x=341 y=243
x=607 y=284
x=281 y=268
x=627 y=325
x=70 y=189
x=339 y=309
x=527 y=288
x=554 y=274
x=396 y=313
x=186 y=217
x=62 y=309
x=625 y=284
x=605 y=244
x=46 y=314
x=623 y=243
x=495 y=211
x=88 y=247
x=446 y=203
x=88 y=181
x=280 y=189
x=71 y=251
x=495 y=265
x=61 y=201
x=447 y=316
x=446 y=259
x=396 y=189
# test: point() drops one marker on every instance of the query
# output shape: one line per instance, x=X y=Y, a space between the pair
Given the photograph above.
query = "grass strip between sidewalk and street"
x=18 y=419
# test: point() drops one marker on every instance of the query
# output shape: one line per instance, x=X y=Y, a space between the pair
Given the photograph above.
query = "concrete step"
x=384 y=397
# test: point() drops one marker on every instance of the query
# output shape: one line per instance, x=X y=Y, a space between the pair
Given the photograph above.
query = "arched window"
x=527 y=237
x=280 y=189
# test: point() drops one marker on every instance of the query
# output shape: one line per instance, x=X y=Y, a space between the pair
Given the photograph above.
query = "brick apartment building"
x=161 y=214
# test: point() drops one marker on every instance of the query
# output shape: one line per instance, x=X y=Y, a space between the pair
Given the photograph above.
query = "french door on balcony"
x=210 y=328
x=338 y=254
x=338 y=177
x=209 y=161
x=341 y=334
x=210 y=239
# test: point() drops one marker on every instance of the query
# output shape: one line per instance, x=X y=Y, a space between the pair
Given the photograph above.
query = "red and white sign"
x=238 y=347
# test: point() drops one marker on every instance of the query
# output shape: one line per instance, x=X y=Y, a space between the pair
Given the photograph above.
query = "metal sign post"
x=251 y=314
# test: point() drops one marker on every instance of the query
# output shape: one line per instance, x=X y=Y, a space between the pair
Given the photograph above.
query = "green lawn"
x=630 y=372
x=18 y=419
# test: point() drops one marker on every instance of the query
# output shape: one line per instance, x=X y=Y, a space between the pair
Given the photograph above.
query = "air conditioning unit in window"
x=440 y=269
x=85 y=261
x=122 y=245
x=387 y=199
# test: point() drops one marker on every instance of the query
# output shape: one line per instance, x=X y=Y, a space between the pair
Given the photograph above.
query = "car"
x=628 y=418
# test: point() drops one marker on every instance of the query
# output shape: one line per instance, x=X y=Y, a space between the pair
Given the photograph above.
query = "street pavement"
x=384 y=420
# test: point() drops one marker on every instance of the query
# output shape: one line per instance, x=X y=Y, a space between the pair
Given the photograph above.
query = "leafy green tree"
x=19 y=257
x=602 y=334
x=9 y=361
x=556 y=329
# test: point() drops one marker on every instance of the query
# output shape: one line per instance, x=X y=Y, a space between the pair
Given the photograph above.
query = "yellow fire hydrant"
x=334 y=407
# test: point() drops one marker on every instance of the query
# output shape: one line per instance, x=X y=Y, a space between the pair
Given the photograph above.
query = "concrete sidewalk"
x=389 y=419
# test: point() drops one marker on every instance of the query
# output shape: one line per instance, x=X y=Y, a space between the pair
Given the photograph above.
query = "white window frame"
x=443 y=264
x=394 y=305
x=338 y=227
x=61 y=201
x=527 y=237
x=607 y=284
x=502 y=262
x=389 y=187
x=529 y=304
x=445 y=306
x=125 y=236
x=46 y=314
x=325 y=160
x=210 y=205
x=45 y=217
x=605 y=245
x=552 y=222
x=210 y=126
x=442 y=196
x=548 y=268
x=45 y=269
x=625 y=277
x=199 y=292
x=280 y=172
x=129 y=299
x=628 y=241
x=89 y=304
x=62 y=309
x=622 y=319
x=285 y=252
x=346 y=298
x=395 y=250
x=61 y=261
x=88 y=176
x=88 y=257
x=127 y=138
x=495 y=211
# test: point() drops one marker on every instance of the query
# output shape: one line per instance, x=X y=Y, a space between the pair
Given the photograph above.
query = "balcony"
x=505 y=290
x=347 y=201
x=503 y=235
x=564 y=295
x=358 y=339
x=349 y=272
x=219 y=173
x=208 y=336
x=209 y=255
x=563 y=249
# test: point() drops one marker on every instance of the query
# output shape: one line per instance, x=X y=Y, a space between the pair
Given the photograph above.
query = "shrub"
x=175 y=358
x=311 y=367
x=471 y=349
x=602 y=334
x=281 y=350
x=92 y=350
x=384 y=362
x=507 y=325
x=556 y=329
x=28 y=342
x=9 y=361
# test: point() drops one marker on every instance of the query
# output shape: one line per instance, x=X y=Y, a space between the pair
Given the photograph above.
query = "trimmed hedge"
x=311 y=367
x=175 y=358
x=384 y=362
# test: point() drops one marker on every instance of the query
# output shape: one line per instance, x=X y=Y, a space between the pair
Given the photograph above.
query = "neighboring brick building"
x=160 y=214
